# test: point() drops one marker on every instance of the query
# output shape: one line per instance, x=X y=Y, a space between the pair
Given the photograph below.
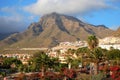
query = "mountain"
x=52 y=29
x=4 y=35
x=116 y=33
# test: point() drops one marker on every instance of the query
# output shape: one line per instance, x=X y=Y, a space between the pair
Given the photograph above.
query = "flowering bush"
x=115 y=72
x=70 y=73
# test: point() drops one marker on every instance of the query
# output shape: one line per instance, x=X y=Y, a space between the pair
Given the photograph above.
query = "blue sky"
x=17 y=15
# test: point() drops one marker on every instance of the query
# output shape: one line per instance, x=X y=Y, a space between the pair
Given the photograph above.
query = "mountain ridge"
x=52 y=29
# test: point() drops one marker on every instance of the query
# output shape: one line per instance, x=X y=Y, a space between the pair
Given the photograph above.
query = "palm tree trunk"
x=69 y=65
x=96 y=68
x=91 y=69
x=43 y=77
x=65 y=78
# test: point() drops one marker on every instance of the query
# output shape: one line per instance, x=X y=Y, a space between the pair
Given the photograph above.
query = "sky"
x=17 y=15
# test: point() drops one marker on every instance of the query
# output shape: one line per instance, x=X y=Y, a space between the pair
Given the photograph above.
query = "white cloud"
x=11 y=24
x=13 y=21
x=65 y=6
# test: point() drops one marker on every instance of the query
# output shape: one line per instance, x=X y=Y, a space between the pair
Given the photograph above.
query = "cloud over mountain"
x=11 y=20
x=11 y=24
x=65 y=6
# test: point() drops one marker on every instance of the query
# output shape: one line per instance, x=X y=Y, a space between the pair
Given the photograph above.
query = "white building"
x=115 y=46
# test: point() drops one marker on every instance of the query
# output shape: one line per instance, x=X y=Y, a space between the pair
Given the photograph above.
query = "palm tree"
x=92 y=42
x=94 y=51
x=41 y=60
x=70 y=51
x=69 y=62
x=58 y=53
x=96 y=56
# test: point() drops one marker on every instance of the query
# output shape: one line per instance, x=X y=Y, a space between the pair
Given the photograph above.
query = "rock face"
x=116 y=33
x=54 y=28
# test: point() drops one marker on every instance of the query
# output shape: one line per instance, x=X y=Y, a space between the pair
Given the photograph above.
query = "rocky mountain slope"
x=52 y=29
x=116 y=33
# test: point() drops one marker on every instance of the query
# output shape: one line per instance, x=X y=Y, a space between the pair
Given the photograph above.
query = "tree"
x=113 y=54
x=69 y=61
x=76 y=63
x=82 y=54
x=95 y=53
x=42 y=61
x=82 y=50
x=71 y=51
x=92 y=42
x=9 y=61
x=54 y=63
